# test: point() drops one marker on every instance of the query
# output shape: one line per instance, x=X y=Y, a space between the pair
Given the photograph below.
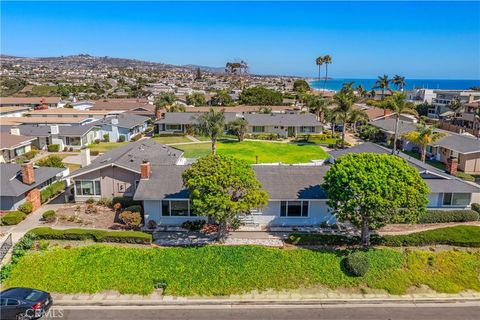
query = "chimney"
x=28 y=174
x=145 y=169
x=15 y=131
x=54 y=129
x=85 y=157
x=115 y=121
x=158 y=113
x=452 y=165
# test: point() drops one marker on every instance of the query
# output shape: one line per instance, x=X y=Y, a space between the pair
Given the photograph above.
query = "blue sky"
x=365 y=39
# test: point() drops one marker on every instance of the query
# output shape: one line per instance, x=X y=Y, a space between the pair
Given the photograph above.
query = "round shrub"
x=13 y=217
x=26 y=208
x=131 y=219
x=53 y=147
x=49 y=216
x=90 y=201
x=476 y=207
x=356 y=263
x=134 y=208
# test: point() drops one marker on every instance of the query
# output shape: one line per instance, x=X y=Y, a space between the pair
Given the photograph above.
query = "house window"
x=174 y=127
x=295 y=208
x=87 y=188
x=72 y=141
x=258 y=129
x=176 y=208
x=307 y=129
x=456 y=199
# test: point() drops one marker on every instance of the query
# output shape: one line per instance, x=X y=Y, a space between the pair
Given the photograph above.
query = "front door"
x=291 y=131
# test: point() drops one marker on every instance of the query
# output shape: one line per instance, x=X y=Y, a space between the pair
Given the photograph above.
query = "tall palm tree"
x=455 y=105
x=317 y=105
x=399 y=82
x=341 y=112
x=212 y=124
x=382 y=83
x=423 y=136
x=398 y=104
x=357 y=116
x=319 y=62
x=327 y=60
x=360 y=91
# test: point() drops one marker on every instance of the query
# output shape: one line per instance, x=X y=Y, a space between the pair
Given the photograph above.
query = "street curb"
x=130 y=303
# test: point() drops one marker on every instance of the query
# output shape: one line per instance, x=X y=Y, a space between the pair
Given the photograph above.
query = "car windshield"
x=33 y=296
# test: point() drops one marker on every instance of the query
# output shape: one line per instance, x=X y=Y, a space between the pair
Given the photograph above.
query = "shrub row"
x=53 y=147
x=92 y=234
x=13 y=217
x=26 y=207
x=51 y=191
x=18 y=251
x=157 y=135
x=462 y=236
x=442 y=216
x=476 y=207
x=27 y=156
x=263 y=136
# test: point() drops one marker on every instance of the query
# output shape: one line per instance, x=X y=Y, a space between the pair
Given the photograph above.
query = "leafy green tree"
x=344 y=102
x=265 y=110
x=261 y=96
x=164 y=100
x=371 y=190
x=239 y=128
x=221 y=98
x=197 y=99
x=398 y=104
x=422 y=108
x=177 y=107
x=301 y=86
x=223 y=187
x=423 y=136
x=369 y=132
x=357 y=116
x=318 y=105
x=198 y=74
x=53 y=161
x=211 y=124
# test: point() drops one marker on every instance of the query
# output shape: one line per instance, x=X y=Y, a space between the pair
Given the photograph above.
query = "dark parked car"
x=24 y=303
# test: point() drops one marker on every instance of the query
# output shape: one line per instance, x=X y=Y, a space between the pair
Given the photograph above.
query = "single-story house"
x=124 y=124
x=283 y=124
x=13 y=145
x=30 y=102
x=6 y=112
x=68 y=113
x=21 y=183
x=140 y=107
x=117 y=172
x=295 y=193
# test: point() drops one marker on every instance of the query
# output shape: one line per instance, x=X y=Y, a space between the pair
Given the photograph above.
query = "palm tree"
x=423 y=136
x=341 y=112
x=398 y=104
x=382 y=83
x=239 y=128
x=211 y=124
x=317 y=105
x=360 y=91
x=327 y=60
x=399 y=82
x=455 y=105
x=357 y=116
x=319 y=62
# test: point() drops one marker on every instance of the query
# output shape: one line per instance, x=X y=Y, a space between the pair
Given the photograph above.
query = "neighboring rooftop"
x=30 y=130
x=189 y=117
x=28 y=100
x=11 y=141
x=41 y=120
x=459 y=143
x=282 y=119
x=388 y=125
x=68 y=111
x=125 y=120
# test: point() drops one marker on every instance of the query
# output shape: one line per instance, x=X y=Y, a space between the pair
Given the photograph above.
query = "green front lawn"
x=103 y=147
x=171 y=139
x=224 y=270
x=267 y=152
x=416 y=155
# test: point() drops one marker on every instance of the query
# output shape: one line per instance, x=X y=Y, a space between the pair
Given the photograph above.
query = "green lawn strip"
x=224 y=270
x=103 y=147
x=416 y=155
x=202 y=138
x=267 y=152
x=44 y=90
x=171 y=139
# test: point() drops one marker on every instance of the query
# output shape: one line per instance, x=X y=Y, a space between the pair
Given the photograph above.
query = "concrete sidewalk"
x=270 y=297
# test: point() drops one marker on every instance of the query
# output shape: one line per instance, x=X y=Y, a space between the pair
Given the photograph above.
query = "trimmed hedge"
x=13 y=217
x=476 y=207
x=461 y=236
x=92 y=234
x=49 y=215
x=53 y=148
x=26 y=207
x=442 y=216
x=51 y=191
x=125 y=202
x=357 y=263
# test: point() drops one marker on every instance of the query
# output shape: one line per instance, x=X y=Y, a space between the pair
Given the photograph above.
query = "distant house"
x=21 y=183
x=30 y=102
x=68 y=113
x=13 y=111
x=117 y=172
x=13 y=145
x=125 y=124
x=283 y=124
x=140 y=107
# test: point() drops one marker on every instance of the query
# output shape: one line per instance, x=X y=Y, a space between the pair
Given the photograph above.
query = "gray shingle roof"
x=281 y=182
x=132 y=155
x=125 y=120
x=189 y=117
x=459 y=143
x=30 y=130
x=388 y=125
x=282 y=119
x=11 y=184
x=10 y=141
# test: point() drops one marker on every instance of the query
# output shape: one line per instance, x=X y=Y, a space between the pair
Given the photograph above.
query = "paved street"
x=441 y=311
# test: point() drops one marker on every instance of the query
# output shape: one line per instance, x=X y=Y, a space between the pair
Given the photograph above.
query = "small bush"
x=131 y=219
x=443 y=216
x=94 y=152
x=476 y=207
x=90 y=201
x=53 y=161
x=194 y=225
x=106 y=137
x=125 y=202
x=136 y=138
x=49 y=216
x=104 y=202
x=322 y=239
x=356 y=263
x=26 y=207
x=121 y=138
x=13 y=217
x=134 y=208
x=70 y=149
x=92 y=234
x=51 y=191
x=53 y=147
x=45 y=194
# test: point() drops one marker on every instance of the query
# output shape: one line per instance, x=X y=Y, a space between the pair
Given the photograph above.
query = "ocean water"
x=368 y=84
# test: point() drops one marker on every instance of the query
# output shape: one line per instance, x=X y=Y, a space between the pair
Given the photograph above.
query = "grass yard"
x=171 y=139
x=267 y=152
x=45 y=90
x=416 y=155
x=224 y=270
x=103 y=147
